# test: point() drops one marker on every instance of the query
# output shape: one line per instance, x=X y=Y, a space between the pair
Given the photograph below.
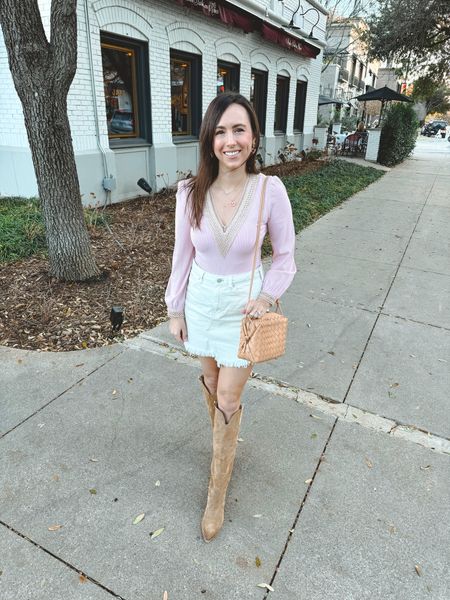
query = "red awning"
x=230 y=15
x=286 y=40
x=244 y=21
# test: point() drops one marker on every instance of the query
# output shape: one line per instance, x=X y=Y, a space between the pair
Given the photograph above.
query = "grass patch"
x=22 y=230
x=314 y=194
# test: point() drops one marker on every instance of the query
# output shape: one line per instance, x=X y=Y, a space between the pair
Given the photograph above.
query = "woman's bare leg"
x=210 y=373
x=231 y=383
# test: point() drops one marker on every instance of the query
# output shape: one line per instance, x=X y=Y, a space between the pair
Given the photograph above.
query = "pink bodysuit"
x=229 y=250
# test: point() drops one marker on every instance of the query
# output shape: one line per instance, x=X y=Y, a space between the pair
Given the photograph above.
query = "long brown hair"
x=208 y=168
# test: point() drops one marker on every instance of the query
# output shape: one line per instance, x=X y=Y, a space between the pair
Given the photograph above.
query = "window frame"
x=283 y=105
x=261 y=106
x=235 y=69
x=141 y=88
x=195 y=93
x=300 y=105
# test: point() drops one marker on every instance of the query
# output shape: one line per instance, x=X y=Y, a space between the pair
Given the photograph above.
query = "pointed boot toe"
x=211 y=527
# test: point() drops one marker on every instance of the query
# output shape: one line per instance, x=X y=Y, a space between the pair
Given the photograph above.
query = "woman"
x=215 y=233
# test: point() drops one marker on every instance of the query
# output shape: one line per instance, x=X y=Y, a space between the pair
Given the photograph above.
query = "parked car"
x=121 y=122
x=434 y=127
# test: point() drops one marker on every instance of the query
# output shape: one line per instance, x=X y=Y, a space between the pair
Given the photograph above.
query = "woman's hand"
x=177 y=327
x=256 y=308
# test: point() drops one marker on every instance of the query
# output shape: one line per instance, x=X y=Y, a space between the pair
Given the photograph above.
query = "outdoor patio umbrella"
x=383 y=94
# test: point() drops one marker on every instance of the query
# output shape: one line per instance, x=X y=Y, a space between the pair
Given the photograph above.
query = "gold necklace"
x=238 y=187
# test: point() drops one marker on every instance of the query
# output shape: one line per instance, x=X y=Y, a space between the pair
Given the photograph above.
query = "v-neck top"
x=229 y=250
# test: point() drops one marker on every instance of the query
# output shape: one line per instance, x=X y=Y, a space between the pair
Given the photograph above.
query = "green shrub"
x=398 y=134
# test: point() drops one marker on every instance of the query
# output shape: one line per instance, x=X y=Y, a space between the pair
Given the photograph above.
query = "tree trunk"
x=42 y=74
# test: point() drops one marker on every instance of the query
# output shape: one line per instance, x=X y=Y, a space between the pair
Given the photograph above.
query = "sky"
x=354 y=8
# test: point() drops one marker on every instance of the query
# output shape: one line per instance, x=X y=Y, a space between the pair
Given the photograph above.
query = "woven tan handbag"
x=263 y=338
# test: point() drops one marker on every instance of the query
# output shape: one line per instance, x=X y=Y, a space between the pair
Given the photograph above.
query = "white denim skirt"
x=213 y=312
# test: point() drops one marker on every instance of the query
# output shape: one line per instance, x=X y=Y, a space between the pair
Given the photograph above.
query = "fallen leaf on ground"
x=418 y=570
x=156 y=533
x=54 y=527
x=257 y=561
x=369 y=463
x=82 y=578
x=138 y=519
x=265 y=585
x=93 y=491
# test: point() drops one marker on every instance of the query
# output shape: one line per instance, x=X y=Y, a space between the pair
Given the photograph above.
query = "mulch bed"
x=41 y=313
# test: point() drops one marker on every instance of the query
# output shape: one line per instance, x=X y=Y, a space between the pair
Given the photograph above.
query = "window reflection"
x=119 y=79
x=227 y=78
x=180 y=82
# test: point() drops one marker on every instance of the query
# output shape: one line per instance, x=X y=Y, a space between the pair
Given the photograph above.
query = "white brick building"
x=147 y=70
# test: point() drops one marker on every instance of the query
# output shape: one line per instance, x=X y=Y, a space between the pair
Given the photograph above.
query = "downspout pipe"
x=94 y=96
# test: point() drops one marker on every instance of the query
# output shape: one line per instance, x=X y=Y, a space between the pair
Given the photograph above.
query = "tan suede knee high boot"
x=224 y=450
x=211 y=399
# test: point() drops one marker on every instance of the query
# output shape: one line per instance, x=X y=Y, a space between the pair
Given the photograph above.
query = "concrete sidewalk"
x=342 y=476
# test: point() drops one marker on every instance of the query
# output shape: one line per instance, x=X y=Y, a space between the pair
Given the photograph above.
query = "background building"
x=146 y=72
x=347 y=72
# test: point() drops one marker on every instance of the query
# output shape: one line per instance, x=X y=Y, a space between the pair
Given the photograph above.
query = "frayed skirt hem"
x=239 y=363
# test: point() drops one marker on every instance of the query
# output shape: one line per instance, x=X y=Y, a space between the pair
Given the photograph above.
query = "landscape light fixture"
x=302 y=14
x=142 y=183
x=116 y=317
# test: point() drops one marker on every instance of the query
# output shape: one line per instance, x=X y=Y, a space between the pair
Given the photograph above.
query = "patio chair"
x=355 y=144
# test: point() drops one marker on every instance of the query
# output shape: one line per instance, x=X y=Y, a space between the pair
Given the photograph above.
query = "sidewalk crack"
x=3 y=435
x=80 y=572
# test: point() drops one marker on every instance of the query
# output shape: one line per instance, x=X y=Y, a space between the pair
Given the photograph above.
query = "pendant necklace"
x=234 y=200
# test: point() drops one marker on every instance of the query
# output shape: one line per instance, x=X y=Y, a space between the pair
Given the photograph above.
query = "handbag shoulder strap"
x=261 y=208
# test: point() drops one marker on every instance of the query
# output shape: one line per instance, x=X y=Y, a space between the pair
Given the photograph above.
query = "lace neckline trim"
x=225 y=236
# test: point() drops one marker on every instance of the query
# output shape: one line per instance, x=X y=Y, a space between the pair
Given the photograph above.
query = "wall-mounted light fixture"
x=302 y=14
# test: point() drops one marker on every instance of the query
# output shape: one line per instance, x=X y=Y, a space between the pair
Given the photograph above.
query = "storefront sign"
x=227 y=14
x=280 y=37
x=209 y=7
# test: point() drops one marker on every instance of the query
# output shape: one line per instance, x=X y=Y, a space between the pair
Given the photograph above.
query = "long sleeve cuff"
x=267 y=298
x=175 y=315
